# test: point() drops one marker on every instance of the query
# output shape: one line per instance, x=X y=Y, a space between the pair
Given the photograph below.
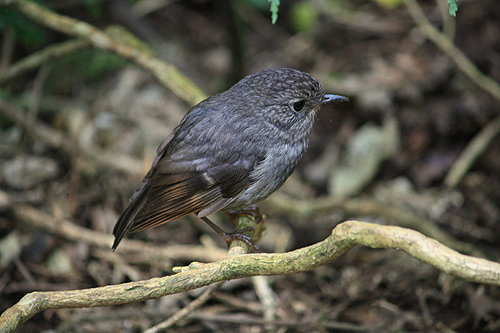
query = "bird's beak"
x=328 y=98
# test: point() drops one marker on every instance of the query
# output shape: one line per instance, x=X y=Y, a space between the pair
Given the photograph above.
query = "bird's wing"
x=175 y=188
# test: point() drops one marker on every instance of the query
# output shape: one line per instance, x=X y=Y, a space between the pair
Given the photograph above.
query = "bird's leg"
x=236 y=235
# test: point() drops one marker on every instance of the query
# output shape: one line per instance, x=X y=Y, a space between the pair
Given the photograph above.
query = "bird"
x=230 y=151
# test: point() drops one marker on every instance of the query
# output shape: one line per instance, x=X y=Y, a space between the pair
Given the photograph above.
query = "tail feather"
x=127 y=219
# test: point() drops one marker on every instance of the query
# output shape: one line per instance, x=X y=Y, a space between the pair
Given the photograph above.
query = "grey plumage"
x=230 y=151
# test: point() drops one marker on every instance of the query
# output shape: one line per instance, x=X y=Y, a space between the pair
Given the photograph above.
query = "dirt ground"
x=413 y=111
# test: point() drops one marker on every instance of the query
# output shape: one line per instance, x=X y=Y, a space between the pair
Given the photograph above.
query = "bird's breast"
x=270 y=173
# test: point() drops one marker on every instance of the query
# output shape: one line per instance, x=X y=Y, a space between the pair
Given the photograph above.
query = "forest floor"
x=411 y=115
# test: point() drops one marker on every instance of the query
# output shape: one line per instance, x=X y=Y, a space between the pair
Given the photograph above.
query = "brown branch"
x=475 y=148
x=267 y=298
x=36 y=59
x=186 y=311
x=302 y=324
x=343 y=238
x=60 y=50
x=7 y=48
x=38 y=219
x=166 y=74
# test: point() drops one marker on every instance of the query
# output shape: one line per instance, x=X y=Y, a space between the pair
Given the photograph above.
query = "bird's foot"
x=230 y=237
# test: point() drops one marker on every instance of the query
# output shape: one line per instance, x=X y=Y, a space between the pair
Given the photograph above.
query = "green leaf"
x=453 y=7
x=274 y=10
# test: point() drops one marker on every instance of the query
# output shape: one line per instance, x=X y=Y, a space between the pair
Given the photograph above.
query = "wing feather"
x=172 y=190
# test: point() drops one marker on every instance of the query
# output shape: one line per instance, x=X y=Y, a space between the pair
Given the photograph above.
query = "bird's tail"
x=126 y=220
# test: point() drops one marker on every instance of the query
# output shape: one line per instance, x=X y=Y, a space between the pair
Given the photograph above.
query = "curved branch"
x=345 y=236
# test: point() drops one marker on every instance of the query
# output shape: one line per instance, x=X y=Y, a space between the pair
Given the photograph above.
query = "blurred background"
x=80 y=128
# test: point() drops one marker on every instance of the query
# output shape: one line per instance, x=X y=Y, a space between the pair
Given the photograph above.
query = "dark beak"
x=328 y=98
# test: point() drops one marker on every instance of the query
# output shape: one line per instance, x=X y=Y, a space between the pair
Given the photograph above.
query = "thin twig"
x=475 y=148
x=267 y=299
x=36 y=94
x=7 y=48
x=449 y=26
x=193 y=306
x=34 y=60
x=303 y=325
x=36 y=218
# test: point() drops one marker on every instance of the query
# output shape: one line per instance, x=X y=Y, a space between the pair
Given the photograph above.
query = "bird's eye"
x=299 y=105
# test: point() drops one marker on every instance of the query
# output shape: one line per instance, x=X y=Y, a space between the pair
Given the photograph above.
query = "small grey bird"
x=230 y=151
